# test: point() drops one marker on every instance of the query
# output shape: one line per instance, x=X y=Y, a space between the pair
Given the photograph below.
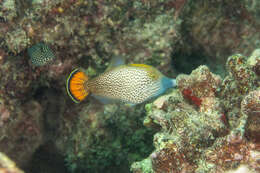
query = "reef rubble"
x=208 y=124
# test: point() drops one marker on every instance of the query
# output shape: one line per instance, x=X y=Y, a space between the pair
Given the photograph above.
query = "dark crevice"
x=46 y=160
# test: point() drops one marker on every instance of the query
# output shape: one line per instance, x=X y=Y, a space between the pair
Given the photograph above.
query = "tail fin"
x=76 y=85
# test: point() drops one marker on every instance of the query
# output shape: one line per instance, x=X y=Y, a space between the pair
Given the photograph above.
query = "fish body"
x=132 y=84
x=40 y=54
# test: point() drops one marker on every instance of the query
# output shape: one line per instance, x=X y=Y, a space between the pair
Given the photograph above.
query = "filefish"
x=40 y=54
x=132 y=84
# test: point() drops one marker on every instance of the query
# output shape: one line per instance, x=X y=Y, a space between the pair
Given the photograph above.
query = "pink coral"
x=250 y=106
x=231 y=151
x=199 y=85
x=187 y=93
x=169 y=159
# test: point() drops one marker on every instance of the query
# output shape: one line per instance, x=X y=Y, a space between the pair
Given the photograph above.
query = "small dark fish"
x=40 y=54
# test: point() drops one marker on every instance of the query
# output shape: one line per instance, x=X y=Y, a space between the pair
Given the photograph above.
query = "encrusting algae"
x=132 y=84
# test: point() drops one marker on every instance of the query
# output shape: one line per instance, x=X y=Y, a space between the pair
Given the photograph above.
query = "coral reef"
x=8 y=9
x=16 y=79
x=253 y=61
x=241 y=80
x=17 y=40
x=199 y=132
x=21 y=130
x=229 y=152
x=205 y=118
x=250 y=106
x=106 y=137
x=222 y=28
x=91 y=30
x=7 y=165
x=81 y=34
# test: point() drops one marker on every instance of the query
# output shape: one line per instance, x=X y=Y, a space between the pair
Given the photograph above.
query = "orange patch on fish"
x=76 y=85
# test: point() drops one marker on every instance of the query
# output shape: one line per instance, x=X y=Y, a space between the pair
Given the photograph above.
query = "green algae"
x=112 y=140
x=143 y=166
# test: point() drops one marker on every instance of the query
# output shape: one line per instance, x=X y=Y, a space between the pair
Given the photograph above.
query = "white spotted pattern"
x=128 y=84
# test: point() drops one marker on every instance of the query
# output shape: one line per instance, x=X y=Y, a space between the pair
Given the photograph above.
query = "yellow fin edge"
x=140 y=65
x=153 y=73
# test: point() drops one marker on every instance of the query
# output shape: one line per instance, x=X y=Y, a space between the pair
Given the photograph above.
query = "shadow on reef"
x=185 y=61
x=108 y=140
x=88 y=137
x=45 y=160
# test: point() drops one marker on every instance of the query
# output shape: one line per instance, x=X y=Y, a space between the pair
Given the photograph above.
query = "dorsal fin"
x=115 y=62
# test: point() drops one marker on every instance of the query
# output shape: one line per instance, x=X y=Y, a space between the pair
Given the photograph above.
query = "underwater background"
x=209 y=123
